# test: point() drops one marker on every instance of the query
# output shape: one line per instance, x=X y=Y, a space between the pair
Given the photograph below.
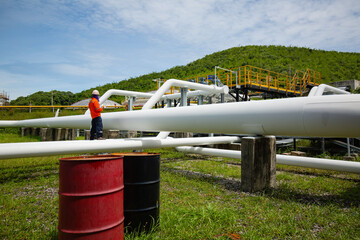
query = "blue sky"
x=72 y=45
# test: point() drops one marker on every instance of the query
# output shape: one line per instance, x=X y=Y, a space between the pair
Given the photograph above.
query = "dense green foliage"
x=44 y=98
x=333 y=66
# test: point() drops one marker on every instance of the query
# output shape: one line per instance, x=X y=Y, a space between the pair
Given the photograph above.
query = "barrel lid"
x=135 y=154
x=93 y=157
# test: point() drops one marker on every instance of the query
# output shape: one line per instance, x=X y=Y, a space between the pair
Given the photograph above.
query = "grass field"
x=200 y=199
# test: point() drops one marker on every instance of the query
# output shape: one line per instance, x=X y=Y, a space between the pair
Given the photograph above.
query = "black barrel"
x=141 y=190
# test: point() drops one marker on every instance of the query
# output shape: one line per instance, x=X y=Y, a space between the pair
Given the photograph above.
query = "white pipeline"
x=318 y=163
x=111 y=92
x=179 y=83
x=323 y=88
x=323 y=116
x=33 y=149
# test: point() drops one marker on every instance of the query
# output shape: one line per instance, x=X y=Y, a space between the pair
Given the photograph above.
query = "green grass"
x=200 y=198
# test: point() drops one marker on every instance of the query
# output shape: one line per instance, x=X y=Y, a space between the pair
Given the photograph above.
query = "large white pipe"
x=179 y=83
x=33 y=149
x=323 y=116
x=313 y=91
x=191 y=94
x=322 y=88
x=111 y=92
x=120 y=92
x=318 y=163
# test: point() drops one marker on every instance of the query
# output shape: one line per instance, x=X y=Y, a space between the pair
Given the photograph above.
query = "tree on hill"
x=44 y=98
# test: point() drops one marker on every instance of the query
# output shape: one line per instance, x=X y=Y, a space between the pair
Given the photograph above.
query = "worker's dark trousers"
x=96 y=128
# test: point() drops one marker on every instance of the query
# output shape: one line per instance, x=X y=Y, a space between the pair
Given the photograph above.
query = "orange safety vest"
x=95 y=109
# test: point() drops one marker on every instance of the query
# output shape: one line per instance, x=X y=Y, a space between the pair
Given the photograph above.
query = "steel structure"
x=318 y=116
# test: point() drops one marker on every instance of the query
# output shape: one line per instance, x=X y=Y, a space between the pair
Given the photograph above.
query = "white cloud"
x=226 y=23
x=209 y=24
x=22 y=85
x=73 y=70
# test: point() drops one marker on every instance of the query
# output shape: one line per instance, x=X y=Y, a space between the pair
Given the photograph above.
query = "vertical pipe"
x=348 y=146
x=183 y=100
x=215 y=77
x=131 y=103
x=168 y=102
x=200 y=100
x=237 y=97
x=222 y=97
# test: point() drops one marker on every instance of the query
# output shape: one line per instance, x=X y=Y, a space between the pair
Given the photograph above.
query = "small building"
x=353 y=84
x=106 y=104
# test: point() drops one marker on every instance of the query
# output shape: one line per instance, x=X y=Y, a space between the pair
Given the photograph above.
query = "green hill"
x=333 y=66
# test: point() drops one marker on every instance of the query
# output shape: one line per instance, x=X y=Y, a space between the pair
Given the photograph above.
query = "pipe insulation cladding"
x=307 y=162
x=36 y=149
x=318 y=116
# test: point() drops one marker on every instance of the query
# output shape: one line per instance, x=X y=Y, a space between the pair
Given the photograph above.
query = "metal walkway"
x=250 y=80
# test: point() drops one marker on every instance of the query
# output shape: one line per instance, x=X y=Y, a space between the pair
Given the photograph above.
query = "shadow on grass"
x=20 y=174
x=349 y=198
x=318 y=174
x=229 y=184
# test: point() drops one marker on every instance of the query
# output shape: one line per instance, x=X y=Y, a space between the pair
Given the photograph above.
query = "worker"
x=96 y=131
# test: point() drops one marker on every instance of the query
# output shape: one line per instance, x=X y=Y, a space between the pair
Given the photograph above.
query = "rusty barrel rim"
x=93 y=157
x=94 y=230
x=135 y=154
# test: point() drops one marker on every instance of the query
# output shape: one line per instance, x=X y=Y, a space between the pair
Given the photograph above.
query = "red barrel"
x=91 y=197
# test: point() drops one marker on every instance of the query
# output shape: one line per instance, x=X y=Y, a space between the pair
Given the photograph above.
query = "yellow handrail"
x=250 y=76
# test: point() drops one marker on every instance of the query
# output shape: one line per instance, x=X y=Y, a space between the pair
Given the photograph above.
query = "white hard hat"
x=95 y=92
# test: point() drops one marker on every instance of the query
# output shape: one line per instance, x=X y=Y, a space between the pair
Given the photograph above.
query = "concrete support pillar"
x=113 y=134
x=72 y=134
x=209 y=100
x=258 y=169
x=183 y=134
x=87 y=134
x=63 y=132
x=128 y=134
x=25 y=132
x=183 y=100
x=105 y=134
x=46 y=134
x=35 y=131
x=66 y=133
x=57 y=134
x=132 y=134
